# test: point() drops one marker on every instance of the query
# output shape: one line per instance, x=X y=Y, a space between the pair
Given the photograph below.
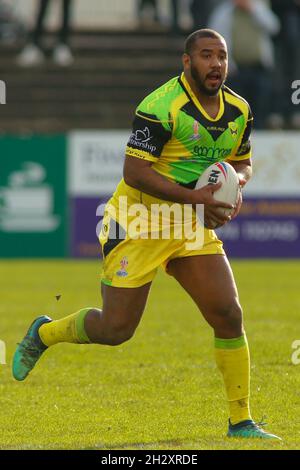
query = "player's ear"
x=186 y=60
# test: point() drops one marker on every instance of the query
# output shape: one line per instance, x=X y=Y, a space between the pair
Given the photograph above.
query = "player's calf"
x=109 y=328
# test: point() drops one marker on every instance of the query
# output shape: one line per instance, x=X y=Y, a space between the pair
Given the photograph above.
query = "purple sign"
x=266 y=227
x=84 y=221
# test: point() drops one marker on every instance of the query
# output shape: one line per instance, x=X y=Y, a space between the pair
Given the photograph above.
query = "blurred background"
x=74 y=72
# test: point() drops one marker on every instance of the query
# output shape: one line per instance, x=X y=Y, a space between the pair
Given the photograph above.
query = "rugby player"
x=179 y=130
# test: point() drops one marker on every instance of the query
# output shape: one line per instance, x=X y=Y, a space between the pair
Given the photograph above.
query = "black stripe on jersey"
x=238 y=97
x=184 y=89
x=230 y=114
x=245 y=146
x=152 y=117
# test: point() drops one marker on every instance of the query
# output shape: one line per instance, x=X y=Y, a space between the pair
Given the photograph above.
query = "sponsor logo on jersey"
x=123 y=263
x=212 y=153
x=244 y=148
x=215 y=128
x=140 y=138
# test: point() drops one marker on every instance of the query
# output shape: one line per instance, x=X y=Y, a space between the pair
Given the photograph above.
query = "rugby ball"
x=222 y=172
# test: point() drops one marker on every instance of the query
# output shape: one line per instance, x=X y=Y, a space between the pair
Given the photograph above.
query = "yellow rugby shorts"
x=131 y=257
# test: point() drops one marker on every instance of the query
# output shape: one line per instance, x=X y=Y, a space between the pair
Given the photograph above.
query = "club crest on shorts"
x=123 y=263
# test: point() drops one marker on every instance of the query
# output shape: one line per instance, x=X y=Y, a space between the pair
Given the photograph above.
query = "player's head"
x=205 y=60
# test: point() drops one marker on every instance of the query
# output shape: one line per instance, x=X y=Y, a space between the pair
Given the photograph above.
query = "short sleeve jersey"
x=172 y=130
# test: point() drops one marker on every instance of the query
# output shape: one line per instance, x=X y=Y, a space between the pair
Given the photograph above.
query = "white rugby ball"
x=222 y=172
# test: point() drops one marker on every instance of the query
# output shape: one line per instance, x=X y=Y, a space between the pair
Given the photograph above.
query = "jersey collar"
x=197 y=103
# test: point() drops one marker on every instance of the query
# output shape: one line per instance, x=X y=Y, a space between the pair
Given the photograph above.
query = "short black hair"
x=200 y=33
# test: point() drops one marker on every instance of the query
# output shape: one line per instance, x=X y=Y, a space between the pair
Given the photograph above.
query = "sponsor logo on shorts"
x=104 y=228
x=123 y=263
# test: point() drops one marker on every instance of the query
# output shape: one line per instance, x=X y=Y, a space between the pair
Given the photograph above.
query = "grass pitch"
x=161 y=390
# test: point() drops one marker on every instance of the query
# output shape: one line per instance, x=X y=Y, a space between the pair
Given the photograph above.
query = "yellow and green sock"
x=66 y=330
x=232 y=358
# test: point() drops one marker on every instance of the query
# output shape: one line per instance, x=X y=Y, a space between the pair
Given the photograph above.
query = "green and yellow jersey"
x=172 y=130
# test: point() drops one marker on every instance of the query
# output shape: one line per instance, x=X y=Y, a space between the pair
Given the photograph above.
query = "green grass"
x=161 y=390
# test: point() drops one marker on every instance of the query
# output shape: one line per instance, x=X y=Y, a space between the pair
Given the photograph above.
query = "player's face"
x=208 y=65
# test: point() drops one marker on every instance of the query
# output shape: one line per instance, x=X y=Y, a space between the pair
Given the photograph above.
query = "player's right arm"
x=139 y=175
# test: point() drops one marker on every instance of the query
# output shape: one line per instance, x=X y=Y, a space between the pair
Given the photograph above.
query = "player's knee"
x=232 y=315
x=118 y=337
x=115 y=334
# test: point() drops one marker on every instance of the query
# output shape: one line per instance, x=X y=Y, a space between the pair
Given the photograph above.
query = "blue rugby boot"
x=29 y=350
x=249 y=429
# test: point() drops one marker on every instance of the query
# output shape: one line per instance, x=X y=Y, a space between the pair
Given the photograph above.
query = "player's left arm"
x=241 y=161
x=244 y=172
x=243 y=169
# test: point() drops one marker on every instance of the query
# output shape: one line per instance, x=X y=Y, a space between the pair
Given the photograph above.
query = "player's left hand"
x=239 y=203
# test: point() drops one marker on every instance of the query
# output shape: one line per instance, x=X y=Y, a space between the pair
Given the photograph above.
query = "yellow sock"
x=232 y=357
x=67 y=330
